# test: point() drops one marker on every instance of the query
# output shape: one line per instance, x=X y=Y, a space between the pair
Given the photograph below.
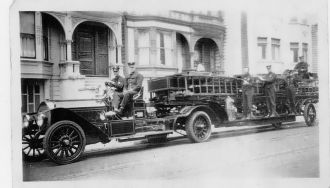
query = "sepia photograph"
x=191 y=93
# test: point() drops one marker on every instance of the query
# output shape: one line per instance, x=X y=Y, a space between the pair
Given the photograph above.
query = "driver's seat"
x=139 y=106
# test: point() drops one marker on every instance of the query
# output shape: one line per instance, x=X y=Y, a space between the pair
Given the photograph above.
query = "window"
x=27 y=29
x=30 y=96
x=262 y=47
x=294 y=47
x=305 y=51
x=45 y=29
x=143 y=47
x=276 y=49
x=164 y=48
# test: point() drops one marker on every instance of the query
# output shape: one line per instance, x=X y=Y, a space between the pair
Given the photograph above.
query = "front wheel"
x=32 y=147
x=310 y=114
x=64 y=142
x=198 y=127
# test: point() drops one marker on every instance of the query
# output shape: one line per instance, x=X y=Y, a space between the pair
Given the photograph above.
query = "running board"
x=142 y=136
x=258 y=121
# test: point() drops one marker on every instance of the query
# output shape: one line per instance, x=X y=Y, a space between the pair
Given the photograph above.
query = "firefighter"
x=291 y=83
x=133 y=84
x=302 y=68
x=117 y=83
x=247 y=93
x=269 y=88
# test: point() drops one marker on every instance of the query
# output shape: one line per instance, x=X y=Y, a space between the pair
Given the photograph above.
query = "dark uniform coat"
x=269 y=88
x=133 y=84
x=291 y=83
x=119 y=82
x=247 y=93
x=134 y=81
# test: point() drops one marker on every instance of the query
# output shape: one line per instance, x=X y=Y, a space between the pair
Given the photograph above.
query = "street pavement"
x=259 y=151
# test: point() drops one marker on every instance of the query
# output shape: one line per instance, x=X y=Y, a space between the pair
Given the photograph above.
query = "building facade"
x=266 y=39
x=174 y=42
x=66 y=56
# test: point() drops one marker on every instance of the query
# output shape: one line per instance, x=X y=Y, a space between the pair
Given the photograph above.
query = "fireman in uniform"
x=269 y=88
x=302 y=68
x=118 y=84
x=133 y=84
x=247 y=92
x=291 y=82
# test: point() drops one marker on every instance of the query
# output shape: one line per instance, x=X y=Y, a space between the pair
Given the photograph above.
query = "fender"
x=215 y=111
x=92 y=132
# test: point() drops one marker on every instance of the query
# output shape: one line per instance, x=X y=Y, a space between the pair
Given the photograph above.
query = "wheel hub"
x=65 y=141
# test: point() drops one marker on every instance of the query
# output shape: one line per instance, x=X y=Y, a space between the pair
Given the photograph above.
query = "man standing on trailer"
x=269 y=87
x=291 y=83
x=247 y=92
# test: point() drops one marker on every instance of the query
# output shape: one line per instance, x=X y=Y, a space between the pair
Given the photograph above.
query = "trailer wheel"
x=198 y=127
x=310 y=114
x=64 y=142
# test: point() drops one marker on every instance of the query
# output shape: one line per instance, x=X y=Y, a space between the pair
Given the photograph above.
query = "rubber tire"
x=54 y=127
x=190 y=129
x=277 y=125
x=305 y=114
x=33 y=158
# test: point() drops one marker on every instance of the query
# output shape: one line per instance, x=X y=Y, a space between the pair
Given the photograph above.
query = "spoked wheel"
x=277 y=125
x=64 y=142
x=198 y=127
x=32 y=147
x=310 y=114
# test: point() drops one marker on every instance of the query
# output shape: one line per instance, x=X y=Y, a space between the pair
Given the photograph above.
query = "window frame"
x=262 y=43
x=164 y=49
x=143 y=47
x=25 y=94
x=305 y=51
x=30 y=35
x=294 y=47
x=276 y=43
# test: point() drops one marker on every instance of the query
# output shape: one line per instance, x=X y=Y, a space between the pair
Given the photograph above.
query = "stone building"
x=65 y=56
x=257 y=39
x=173 y=42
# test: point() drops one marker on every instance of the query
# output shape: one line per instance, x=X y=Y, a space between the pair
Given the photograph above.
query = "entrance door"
x=86 y=52
x=91 y=49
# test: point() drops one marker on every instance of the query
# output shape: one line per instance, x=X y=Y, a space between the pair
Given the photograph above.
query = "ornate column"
x=153 y=46
x=69 y=50
x=38 y=29
x=192 y=59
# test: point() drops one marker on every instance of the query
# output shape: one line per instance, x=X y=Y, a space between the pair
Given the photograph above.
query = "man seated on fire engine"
x=133 y=84
x=117 y=83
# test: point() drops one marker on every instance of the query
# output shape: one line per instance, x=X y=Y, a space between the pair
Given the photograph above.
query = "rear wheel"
x=198 y=127
x=310 y=114
x=64 y=142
